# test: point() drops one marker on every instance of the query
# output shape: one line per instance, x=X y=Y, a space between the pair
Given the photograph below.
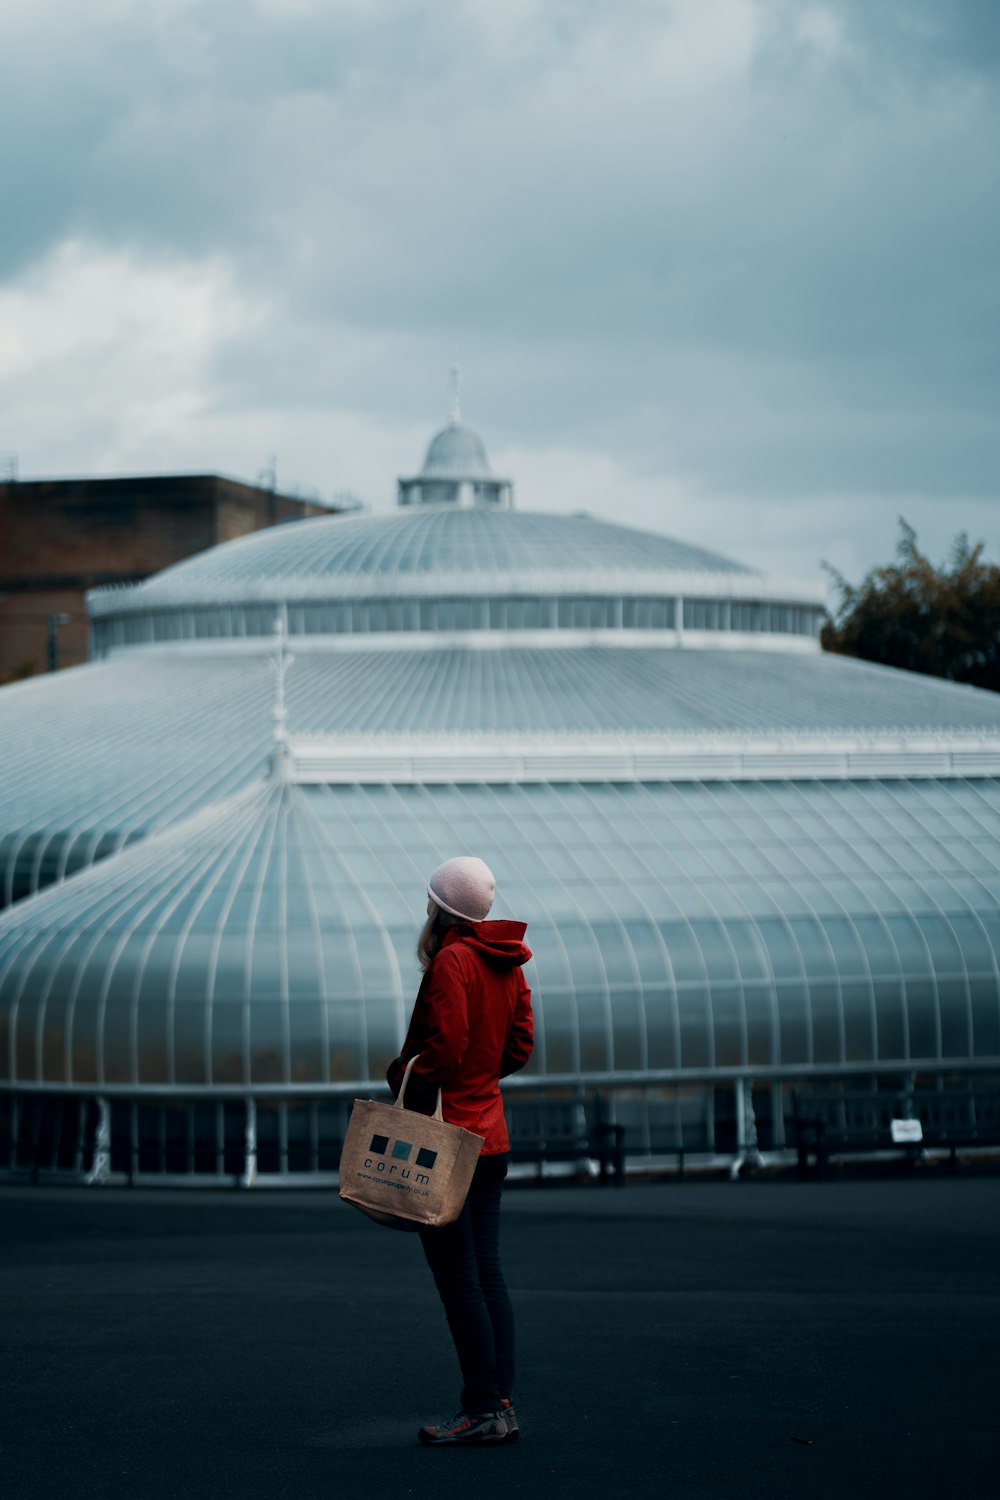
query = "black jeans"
x=465 y=1260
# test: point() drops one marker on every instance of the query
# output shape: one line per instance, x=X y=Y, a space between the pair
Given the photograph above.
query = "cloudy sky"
x=725 y=268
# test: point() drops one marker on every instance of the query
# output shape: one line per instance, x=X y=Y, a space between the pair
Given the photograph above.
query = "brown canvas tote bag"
x=404 y=1169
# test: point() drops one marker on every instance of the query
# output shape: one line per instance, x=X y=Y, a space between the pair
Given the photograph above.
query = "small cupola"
x=456 y=470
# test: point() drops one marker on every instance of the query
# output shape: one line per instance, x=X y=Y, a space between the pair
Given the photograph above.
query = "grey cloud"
x=783 y=281
x=925 y=37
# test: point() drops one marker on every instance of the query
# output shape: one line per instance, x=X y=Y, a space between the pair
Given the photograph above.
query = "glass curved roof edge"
x=141 y=598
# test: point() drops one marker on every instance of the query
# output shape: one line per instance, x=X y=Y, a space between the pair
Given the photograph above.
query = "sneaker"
x=468 y=1427
x=510 y=1417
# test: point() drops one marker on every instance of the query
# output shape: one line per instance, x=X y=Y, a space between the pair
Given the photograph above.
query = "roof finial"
x=455 y=371
x=281 y=762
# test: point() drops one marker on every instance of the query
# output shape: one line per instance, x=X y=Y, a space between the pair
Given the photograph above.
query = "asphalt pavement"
x=758 y=1339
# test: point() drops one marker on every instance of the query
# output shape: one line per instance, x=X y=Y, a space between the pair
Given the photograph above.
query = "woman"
x=471 y=1026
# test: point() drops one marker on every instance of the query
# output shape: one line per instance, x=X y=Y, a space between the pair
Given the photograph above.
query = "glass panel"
x=267 y=1042
x=685 y=954
x=762 y=1029
x=595 y=1028
x=956 y=1035
x=824 y=1000
x=693 y=1014
x=555 y=1021
x=151 y=1042
x=878 y=946
x=647 y=951
x=383 y=1022
x=793 y=1022
x=728 y=1021
x=859 y=1036
x=750 y=956
x=813 y=946
x=306 y=1041
x=909 y=944
x=616 y=955
x=84 y=1053
x=782 y=951
x=921 y=1005
x=54 y=1034
x=266 y=972
x=573 y=944
x=991 y=926
x=977 y=955
x=228 y=1042
x=889 y=1021
x=985 y=999
x=843 y=939
x=550 y=964
x=347 y=1031
x=661 y=1027
x=376 y=960
x=116 y=1039
x=711 y=937
x=189 y=1042
x=628 y=1028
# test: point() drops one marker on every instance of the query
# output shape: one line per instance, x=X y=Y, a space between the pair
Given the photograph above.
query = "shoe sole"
x=486 y=1440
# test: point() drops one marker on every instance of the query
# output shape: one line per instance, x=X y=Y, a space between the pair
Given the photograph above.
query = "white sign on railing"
x=906 y=1132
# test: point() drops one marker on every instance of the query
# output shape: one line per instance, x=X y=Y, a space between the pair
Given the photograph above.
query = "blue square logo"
x=401 y=1150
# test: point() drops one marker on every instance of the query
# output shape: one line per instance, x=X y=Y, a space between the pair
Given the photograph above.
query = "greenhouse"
x=746 y=866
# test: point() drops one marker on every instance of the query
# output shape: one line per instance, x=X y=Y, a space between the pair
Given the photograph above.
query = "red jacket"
x=471 y=1025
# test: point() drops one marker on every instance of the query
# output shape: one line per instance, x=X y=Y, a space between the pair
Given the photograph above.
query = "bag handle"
x=402 y=1090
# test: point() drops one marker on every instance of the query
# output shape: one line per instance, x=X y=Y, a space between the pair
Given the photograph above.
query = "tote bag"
x=404 y=1169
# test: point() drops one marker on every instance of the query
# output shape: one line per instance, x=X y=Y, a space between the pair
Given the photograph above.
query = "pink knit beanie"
x=463 y=887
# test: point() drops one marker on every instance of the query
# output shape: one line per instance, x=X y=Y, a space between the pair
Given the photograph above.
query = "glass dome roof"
x=424 y=543
x=739 y=857
x=456 y=453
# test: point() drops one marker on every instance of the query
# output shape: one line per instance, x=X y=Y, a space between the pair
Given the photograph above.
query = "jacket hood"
x=500 y=943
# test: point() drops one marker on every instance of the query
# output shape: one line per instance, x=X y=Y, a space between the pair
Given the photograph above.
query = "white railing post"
x=100 y=1171
x=249 y=1178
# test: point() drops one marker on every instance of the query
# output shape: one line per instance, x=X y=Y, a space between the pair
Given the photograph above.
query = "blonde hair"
x=431 y=934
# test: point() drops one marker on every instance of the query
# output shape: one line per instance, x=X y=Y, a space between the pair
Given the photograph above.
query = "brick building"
x=59 y=538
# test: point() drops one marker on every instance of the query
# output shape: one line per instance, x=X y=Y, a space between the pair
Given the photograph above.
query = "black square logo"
x=426 y=1158
x=380 y=1144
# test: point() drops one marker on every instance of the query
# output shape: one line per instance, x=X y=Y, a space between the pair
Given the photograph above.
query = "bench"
x=567 y=1130
x=830 y=1123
